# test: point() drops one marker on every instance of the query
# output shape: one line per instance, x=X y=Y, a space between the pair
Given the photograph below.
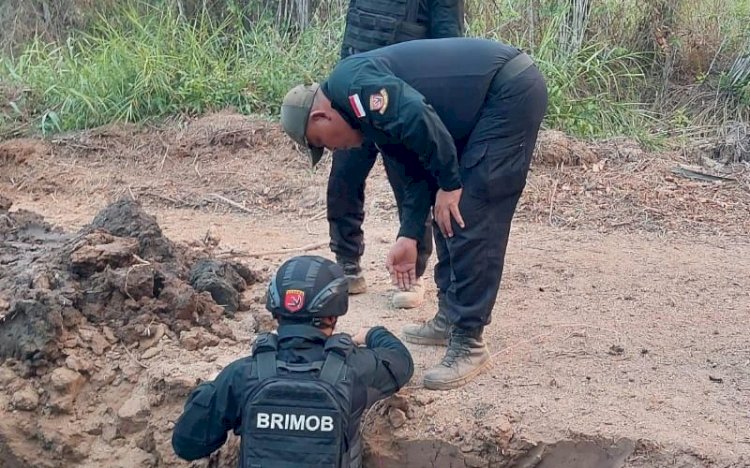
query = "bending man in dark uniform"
x=456 y=120
x=371 y=24
x=273 y=400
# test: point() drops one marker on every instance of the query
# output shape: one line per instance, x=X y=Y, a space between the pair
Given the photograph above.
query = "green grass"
x=143 y=61
x=141 y=67
x=593 y=90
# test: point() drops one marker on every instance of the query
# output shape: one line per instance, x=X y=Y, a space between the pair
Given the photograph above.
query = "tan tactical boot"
x=464 y=359
x=410 y=299
x=357 y=283
x=435 y=331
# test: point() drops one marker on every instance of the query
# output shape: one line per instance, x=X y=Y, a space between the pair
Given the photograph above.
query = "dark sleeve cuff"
x=451 y=186
x=411 y=230
x=189 y=449
x=450 y=182
x=374 y=336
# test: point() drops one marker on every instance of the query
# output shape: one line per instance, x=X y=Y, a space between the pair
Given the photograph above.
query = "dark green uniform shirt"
x=425 y=96
x=215 y=407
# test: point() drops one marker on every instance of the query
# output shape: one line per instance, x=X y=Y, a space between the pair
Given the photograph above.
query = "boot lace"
x=457 y=349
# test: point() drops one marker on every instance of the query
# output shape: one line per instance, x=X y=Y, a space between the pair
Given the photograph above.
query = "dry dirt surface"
x=133 y=263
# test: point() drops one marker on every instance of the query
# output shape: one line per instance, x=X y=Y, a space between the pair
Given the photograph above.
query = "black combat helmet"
x=307 y=288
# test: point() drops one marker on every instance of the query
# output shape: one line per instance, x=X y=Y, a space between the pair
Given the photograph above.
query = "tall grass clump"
x=613 y=67
x=147 y=62
x=594 y=86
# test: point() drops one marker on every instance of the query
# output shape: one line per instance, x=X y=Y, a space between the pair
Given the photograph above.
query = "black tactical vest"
x=371 y=24
x=299 y=416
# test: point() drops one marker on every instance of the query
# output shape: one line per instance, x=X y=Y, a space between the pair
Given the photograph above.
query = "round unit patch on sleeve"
x=294 y=300
x=379 y=101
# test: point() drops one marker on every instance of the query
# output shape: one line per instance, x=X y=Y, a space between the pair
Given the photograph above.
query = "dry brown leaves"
x=229 y=162
x=641 y=196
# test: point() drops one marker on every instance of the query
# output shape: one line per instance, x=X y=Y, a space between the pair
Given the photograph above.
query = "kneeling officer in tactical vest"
x=298 y=400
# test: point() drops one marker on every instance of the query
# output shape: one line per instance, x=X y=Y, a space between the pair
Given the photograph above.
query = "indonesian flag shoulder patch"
x=357 y=106
x=379 y=101
x=294 y=300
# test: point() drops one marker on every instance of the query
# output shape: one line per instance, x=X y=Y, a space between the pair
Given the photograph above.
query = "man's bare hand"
x=402 y=263
x=446 y=206
x=360 y=339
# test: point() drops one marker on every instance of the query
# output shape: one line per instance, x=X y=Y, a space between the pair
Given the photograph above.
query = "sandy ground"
x=602 y=331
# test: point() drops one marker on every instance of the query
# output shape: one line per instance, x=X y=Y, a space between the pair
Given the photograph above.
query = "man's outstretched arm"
x=210 y=412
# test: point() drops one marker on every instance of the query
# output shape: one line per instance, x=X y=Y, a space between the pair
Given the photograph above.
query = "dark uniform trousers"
x=417 y=19
x=346 y=203
x=493 y=168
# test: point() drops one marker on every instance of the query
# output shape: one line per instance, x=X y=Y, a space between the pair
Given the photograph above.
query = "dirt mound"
x=224 y=281
x=213 y=133
x=20 y=150
x=555 y=148
x=111 y=274
x=70 y=303
x=223 y=160
x=125 y=219
x=107 y=275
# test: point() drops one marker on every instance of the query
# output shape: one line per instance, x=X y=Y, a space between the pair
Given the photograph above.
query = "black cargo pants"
x=493 y=166
x=346 y=204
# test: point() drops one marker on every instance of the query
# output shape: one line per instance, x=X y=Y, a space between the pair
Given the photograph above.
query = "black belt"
x=512 y=68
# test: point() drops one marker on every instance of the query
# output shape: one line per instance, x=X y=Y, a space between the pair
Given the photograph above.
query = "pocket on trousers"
x=507 y=167
x=473 y=170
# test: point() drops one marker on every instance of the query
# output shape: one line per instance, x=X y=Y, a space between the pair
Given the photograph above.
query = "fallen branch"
x=318 y=216
x=699 y=175
x=133 y=358
x=176 y=203
x=230 y=202
x=163 y=160
x=304 y=248
x=552 y=202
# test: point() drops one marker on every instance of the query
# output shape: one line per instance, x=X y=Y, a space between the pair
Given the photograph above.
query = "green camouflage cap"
x=295 y=111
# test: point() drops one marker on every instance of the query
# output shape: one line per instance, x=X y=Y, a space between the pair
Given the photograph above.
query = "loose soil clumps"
x=81 y=316
x=119 y=275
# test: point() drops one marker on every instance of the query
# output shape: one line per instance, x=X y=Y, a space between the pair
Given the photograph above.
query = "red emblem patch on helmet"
x=294 y=300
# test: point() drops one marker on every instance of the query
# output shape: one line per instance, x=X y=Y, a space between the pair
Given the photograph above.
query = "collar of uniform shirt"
x=301 y=331
x=350 y=119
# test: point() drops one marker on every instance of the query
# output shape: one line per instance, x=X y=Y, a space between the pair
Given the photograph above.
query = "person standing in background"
x=371 y=24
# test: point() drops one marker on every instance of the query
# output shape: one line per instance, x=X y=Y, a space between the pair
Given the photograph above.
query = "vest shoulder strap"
x=337 y=349
x=265 y=351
